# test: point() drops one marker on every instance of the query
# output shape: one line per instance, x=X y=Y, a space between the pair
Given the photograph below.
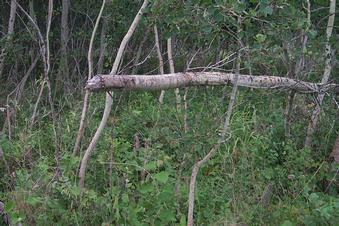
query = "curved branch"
x=109 y=99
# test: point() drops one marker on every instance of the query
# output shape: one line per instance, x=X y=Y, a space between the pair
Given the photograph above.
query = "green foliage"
x=125 y=186
x=320 y=209
x=229 y=185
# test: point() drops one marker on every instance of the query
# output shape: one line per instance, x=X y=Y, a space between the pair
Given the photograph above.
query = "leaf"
x=267 y=10
x=165 y=197
x=124 y=198
x=241 y=35
x=211 y=10
x=147 y=187
x=312 y=33
x=116 y=203
x=151 y=166
x=162 y=176
x=218 y=17
x=207 y=29
x=76 y=190
x=145 y=10
x=34 y=200
x=335 y=165
x=8 y=206
x=183 y=220
x=166 y=215
x=287 y=223
x=136 y=112
x=22 y=215
x=260 y=37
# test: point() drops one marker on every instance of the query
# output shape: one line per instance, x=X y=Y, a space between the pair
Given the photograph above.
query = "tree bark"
x=335 y=152
x=64 y=70
x=22 y=83
x=168 y=81
x=172 y=71
x=288 y=112
x=45 y=54
x=334 y=159
x=100 y=67
x=161 y=61
x=197 y=165
x=298 y=68
x=328 y=67
x=10 y=32
x=140 y=48
x=109 y=99
x=90 y=73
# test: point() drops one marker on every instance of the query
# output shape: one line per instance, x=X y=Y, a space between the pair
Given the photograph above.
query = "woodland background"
x=274 y=160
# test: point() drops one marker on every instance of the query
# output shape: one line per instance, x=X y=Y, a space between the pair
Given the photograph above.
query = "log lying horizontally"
x=167 y=81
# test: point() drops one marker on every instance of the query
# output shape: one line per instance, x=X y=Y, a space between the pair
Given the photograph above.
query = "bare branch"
x=168 y=81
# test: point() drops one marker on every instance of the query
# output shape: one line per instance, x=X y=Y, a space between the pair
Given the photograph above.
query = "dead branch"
x=175 y=80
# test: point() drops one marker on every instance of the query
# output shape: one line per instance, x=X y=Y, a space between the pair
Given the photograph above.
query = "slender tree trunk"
x=186 y=108
x=109 y=99
x=334 y=158
x=179 y=180
x=172 y=70
x=10 y=32
x=328 y=67
x=33 y=35
x=288 y=112
x=2 y=156
x=137 y=57
x=18 y=94
x=57 y=132
x=335 y=152
x=147 y=153
x=45 y=54
x=298 y=68
x=22 y=83
x=44 y=51
x=111 y=162
x=161 y=61
x=90 y=73
x=197 y=165
x=64 y=70
x=102 y=46
x=31 y=9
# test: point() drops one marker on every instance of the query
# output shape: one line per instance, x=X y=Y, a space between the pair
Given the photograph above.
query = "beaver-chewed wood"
x=167 y=81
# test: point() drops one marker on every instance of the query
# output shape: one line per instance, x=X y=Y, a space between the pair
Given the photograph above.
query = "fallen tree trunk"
x=168 y=81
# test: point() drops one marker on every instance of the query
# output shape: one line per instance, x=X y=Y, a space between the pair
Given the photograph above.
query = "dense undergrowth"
x=230 y=186
x=256 y=177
